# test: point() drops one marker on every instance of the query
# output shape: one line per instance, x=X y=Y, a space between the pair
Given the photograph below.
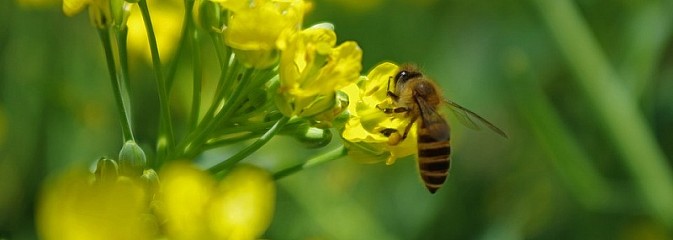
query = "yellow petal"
x=72 y=207
x=244 y=203
x=259 y=26
x=185 y=194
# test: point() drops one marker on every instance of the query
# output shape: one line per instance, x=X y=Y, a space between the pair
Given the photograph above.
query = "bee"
x=416 y=96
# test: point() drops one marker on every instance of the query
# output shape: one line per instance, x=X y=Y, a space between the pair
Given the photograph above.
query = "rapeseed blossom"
x=312 y=68
x=187 y=203
x=75 y=206
x=363 y=131
x=195 y=206
x=254 y=27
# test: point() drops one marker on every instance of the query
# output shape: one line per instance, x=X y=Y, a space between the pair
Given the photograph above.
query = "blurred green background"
x=583 y=88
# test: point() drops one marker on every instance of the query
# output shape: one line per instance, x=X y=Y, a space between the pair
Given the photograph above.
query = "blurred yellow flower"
x=185 y=193
x=166 y=19
x=196 y=207
x=312 y=69
x=362 y=132
x=73 y=206
x=244 y=203
x=254 y=27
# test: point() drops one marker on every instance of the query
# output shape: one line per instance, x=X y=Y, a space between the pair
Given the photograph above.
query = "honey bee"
x=416 y=96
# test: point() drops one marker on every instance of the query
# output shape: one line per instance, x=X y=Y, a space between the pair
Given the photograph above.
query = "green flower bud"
x=132 y=160
x=106 y=170
x=313 y=137
x=208 y=16
x=117 y=10
x=150 y=179
x=334 y=117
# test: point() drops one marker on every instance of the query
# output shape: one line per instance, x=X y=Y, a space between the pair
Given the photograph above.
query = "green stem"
x=192 y=144
x=647 y=34
x=251 y=148
x=315 y=161
x=223 y=141
x=226 y=72
x=124 y=68
x=186 y=25
x=571 y=163
x=196 y=88
x=165 y=138
x=615 y=106
x=109 y=57
x=223 y=82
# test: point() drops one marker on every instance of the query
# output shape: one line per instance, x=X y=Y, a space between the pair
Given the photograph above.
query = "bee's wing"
x=465 y=116
x=436 y=125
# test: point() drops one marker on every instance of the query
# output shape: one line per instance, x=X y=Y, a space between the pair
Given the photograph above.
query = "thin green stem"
x=314 y=161
x=226 y=70
x=109 y=57
x=124 y=68
x=196 y=88
x=184 y=36
x=194 y=141
x=226 y=74
x=257 y=127
x=615 y=107
x=251 y=148
x=165 y=138
x=237 y=138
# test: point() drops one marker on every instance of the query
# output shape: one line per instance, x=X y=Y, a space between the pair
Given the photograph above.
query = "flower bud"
x=207 y=15
x=117 y=8
x=334 y=117
x=132 y=160
x=106 y=170
x=150 y=179
x=313 y=137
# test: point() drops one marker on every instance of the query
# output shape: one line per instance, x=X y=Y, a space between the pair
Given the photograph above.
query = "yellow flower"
x=99 y=11
x=254 y=27
x=196 y=207
x=244 y=203
x=185 y=193
x=312 y=69
x=73 y=207
x=363 y=130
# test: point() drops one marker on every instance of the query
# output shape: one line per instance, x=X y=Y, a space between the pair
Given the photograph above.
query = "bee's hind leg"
x=394 y=136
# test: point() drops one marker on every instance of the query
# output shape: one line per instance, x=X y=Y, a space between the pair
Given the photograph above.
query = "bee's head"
x=405 y=74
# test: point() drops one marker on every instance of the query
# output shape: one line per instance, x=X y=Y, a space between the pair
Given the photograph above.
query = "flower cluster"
x=276 y=77
x=187 y=204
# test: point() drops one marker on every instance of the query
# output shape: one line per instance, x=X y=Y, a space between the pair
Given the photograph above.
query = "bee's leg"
x=393 y=110
x=389 y=93
x=388 y=131
x=406 y=129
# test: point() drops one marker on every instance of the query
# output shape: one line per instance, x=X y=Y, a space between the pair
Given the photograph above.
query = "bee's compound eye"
x=402 y=76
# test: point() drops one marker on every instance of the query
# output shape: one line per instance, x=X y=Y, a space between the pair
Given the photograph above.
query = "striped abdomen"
x=434 y=153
